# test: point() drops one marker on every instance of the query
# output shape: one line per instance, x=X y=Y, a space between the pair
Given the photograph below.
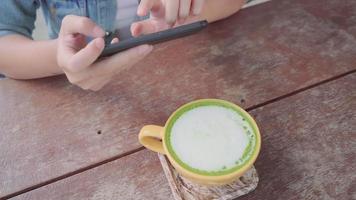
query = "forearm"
x=23 y=58
x=215 y=10
x=219 y=9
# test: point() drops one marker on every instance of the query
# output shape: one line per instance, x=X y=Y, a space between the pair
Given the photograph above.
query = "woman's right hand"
x=78 y=59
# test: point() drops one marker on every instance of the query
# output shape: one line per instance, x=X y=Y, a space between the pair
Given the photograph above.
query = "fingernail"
x=145 y=49
x=99 y=32
x=134 y=29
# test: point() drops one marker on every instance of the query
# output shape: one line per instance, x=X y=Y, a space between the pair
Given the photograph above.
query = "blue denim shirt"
x=18 y=16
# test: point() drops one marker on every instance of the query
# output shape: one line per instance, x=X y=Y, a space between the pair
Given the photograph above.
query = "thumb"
x=86 y=56
x=148 y=26
x=142 y=27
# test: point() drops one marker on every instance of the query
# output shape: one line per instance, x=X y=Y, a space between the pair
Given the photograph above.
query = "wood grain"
x=137 y=176
x=341 y=14
x=309 y=145
x=308 y=152
x=50 y=128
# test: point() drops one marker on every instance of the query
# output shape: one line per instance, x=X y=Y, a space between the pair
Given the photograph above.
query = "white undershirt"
x=126 y=15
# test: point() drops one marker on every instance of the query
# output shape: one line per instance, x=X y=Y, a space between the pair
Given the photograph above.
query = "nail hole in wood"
x=98 y=132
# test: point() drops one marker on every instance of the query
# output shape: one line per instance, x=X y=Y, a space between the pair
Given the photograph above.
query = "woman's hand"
x=165 y=14
x=78 y=59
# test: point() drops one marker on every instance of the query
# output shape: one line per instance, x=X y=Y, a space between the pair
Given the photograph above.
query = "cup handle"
x=150 y=137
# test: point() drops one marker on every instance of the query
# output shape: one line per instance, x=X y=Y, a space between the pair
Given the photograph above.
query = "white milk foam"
x=210 y=138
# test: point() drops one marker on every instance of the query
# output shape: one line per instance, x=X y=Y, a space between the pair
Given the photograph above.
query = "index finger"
x=72 y=24
x=146 y=6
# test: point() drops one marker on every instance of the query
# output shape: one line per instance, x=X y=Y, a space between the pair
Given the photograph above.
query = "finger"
x=184 y=8
x=100 y=84
x=146 y=6
x=115 y=40
x=72 y=24
x=142 y=27
x=197 y=6
x=121 y=61
x=86 y=56
x=94 y=84
x=172 y=8
x=68 y=45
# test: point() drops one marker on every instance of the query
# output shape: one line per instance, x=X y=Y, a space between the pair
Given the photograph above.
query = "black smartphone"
x=154 y=38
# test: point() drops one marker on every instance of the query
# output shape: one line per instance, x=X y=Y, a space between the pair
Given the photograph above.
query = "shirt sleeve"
x=18 y=17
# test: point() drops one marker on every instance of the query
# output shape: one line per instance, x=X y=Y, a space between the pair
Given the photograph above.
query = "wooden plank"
x=49 y=128
x=137 y=176
x=309 y=147
x=341 y=14
x=308 y=152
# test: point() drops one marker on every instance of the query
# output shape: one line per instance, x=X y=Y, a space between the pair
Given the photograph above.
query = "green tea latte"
x=211 y=139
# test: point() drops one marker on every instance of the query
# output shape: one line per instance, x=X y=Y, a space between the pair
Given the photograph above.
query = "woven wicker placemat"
x=184 y=189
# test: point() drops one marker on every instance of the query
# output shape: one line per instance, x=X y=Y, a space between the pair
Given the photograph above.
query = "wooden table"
x=292 y=64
